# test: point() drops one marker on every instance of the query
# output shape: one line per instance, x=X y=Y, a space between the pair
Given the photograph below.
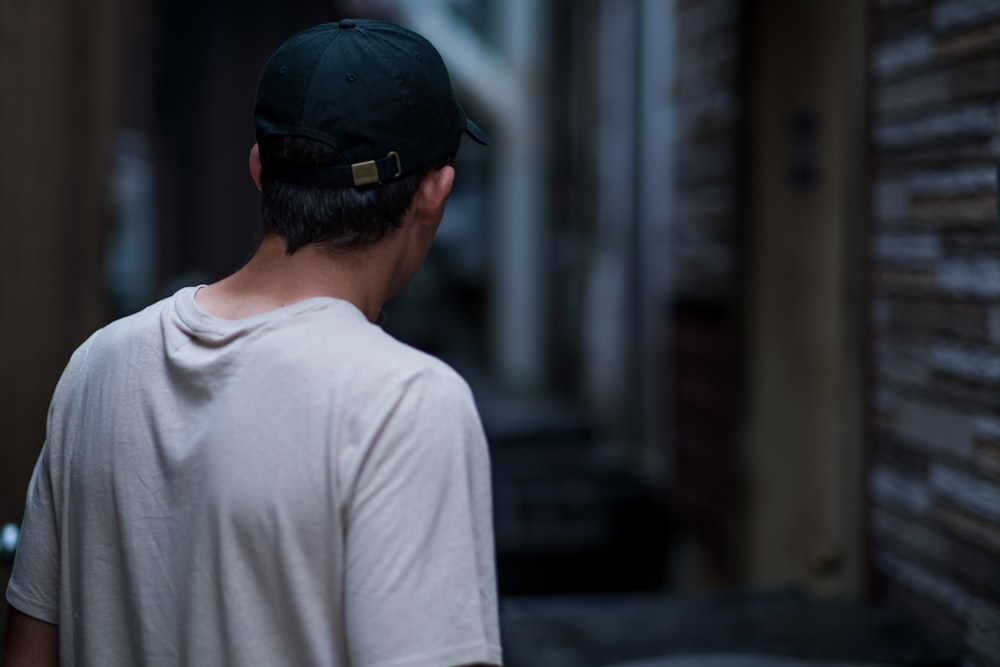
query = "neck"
x=273 y=278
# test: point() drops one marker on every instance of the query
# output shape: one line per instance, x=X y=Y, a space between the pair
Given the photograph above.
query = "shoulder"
x=117 y=346
x=110 y=337
x=429 y=381
x=414 y=381
x=334 y=340
x=128 y=327
x=338 y=358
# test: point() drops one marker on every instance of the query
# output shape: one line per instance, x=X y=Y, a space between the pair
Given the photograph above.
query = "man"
x=252 y=472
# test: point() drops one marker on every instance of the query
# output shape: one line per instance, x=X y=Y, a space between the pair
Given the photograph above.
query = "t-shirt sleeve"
x=34 y=582
x=420 y=571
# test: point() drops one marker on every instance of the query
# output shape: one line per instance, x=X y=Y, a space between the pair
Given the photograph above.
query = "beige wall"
x=803 y=452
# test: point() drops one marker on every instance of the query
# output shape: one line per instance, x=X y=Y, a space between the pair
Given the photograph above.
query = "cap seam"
x=309 y=90
x=407 y=91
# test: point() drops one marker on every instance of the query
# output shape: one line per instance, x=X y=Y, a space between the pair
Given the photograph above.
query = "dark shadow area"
x=570 y=517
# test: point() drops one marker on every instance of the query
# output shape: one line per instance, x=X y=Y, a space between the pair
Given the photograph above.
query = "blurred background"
x=726 y=286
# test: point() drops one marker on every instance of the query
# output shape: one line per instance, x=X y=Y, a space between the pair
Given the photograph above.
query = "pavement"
x=739 y=661
x=736 y=629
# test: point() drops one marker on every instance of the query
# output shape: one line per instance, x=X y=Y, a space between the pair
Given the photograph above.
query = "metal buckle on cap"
x=399 y=166
x=366 y=173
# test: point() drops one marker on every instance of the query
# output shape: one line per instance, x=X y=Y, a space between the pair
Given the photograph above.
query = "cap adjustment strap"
x=337 y=176
x=373 y=171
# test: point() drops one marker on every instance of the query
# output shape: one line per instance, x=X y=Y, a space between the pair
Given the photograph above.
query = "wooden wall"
x=58 y=103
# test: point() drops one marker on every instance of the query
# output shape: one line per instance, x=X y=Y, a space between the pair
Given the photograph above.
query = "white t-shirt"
x=295 y=488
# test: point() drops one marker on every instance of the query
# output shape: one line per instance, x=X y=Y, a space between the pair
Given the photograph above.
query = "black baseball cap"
x=374 y=91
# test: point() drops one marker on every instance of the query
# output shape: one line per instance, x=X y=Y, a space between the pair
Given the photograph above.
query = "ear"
x=255 y=165
x=434 y=190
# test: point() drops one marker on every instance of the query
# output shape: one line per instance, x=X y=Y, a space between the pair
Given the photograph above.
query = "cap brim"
x=476 y=132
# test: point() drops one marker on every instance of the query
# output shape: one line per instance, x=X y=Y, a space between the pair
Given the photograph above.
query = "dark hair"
x=334 y=218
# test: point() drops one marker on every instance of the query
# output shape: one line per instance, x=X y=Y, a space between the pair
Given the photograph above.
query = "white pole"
x=519 y=287
x=607 y=308
x=503 y=84
x=656 y=202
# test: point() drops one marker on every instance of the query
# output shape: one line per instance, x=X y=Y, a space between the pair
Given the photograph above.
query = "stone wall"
x=934 y=467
